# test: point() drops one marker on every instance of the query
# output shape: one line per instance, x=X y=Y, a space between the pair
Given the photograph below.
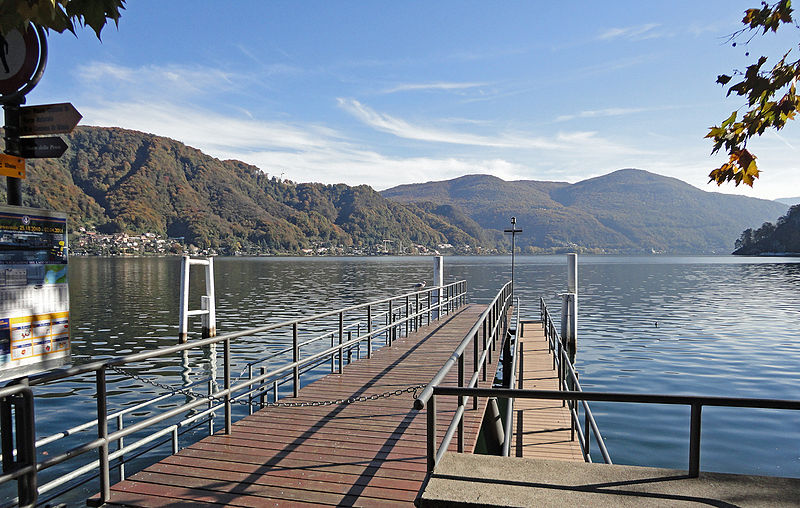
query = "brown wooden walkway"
x=541 y=427
x=364 y=454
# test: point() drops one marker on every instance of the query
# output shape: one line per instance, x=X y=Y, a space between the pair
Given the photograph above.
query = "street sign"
x=19 y=55
x=48 y=119
x=12 y=166
x=42 y=148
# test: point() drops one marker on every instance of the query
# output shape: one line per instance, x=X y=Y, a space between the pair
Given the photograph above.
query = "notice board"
x=34 y=294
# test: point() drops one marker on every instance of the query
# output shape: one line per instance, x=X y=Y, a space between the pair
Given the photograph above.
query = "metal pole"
x=11 y=137
x=183 y=319
x=295 y=359
x=341 y=336
x=102 y=433
x=227 y=379
x=210 y=319
x=431 y=438
x=461 y=404
x=694 y=441
x=369 y=332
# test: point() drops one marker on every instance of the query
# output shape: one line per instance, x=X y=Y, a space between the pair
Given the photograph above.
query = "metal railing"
x=492 y=324
x=696 y=403
x=568 y=380
x=20 y=462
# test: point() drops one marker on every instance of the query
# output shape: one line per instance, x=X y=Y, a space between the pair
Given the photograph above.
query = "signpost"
x=42 y=148
x=11 y=166
x=48 y=119
x=34 y=293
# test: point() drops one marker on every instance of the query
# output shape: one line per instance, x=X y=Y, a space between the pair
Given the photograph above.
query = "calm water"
x=682 y=325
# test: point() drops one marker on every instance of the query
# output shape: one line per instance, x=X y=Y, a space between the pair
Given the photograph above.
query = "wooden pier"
x=541 y=427
x=362 y=454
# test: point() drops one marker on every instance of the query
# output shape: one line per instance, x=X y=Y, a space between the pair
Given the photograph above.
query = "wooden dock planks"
x=363 y=454
x=541 y=427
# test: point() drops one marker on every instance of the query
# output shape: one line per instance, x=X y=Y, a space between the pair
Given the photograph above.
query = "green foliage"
x=59 y=15
x=115 y=180
x=780 y=238
x=771 y=97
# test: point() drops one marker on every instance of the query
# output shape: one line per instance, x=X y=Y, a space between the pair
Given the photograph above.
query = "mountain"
x=628 y=210
x=781 y=238
x=789 y=201
x=116 y=180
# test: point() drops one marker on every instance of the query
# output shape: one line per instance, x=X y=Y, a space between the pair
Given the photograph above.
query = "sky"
x=387 y=93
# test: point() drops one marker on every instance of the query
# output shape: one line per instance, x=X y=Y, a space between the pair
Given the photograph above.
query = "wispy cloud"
x=636 y=33
x=596 y=113
x=403 y=129
x=413 y=87
x=174 y=80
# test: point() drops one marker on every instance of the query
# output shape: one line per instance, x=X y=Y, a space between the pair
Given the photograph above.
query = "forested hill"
x=781 y=238
x=116 y=180
x=625 y=211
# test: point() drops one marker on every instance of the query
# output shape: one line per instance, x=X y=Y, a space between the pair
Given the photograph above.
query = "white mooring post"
x=207 y=305
x=438 y=282
x=569 y=308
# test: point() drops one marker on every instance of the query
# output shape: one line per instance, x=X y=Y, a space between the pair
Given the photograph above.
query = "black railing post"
x=485 y=368
x=26 y=448
x=341 y=339
x=461 y=401
x=694 y=440
x=226 y=372
x=369 y=331
x=102 y=433
x=295 y=360
x=431 y=437
x=408 y=316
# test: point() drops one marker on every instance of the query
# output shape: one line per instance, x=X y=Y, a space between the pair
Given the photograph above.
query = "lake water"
x=677 y=325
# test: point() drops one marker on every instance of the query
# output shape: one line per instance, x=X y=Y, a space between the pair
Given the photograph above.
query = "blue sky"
x=386 y=93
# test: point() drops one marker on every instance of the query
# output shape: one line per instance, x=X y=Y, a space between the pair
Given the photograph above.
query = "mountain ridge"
x=117 y=180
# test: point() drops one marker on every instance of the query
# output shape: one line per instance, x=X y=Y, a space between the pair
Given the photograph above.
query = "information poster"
x=34 y=295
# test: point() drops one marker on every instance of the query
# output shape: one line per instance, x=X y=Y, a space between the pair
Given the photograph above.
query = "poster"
x=34 y=294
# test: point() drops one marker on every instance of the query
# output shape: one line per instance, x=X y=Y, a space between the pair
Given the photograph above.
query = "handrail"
x=696 y=402
x=441 y=300
x=514 y=359
x=493 y=322
x=562 y=361
x=420 y=401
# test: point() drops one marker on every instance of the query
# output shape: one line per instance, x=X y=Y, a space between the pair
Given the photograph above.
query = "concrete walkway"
x=482 y=480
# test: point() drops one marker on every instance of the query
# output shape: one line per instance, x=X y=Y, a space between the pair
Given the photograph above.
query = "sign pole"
x=11 y=137
x=513 y=232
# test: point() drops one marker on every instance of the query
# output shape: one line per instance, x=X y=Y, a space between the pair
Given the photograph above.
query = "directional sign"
x=48 y=119
x=41 y=148
x=19 y=55
x=12 y=166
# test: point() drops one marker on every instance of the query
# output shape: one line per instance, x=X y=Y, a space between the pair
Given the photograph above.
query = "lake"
x=724 y=326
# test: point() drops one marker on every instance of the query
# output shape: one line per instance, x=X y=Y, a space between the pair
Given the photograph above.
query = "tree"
x=59 y=15
x=761 y=87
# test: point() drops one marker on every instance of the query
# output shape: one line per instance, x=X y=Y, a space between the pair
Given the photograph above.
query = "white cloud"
x=412 y=87
x=602 y=113
x=638 y=32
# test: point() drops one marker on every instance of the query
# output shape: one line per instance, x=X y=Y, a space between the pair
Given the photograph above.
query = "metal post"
x=417 y=317
x=431 y=438
x=13 y=185
x=461 y=404
x=102 y=433
x=183 y=319
x=210 y=405
x=209 y=319
x=438 y=282
x=369 y=332
x=250 y=389
x=120 y=446
x=226 y=372
x=694 y=440
x=485 y=367
x=408 y=308
x=263 y=393
x=387 y=335
x=295 y=359
x=341 y=336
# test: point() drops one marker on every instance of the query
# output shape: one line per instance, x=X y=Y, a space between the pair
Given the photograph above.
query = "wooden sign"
x=42 y=148
x=48 y=119
x=12 y=166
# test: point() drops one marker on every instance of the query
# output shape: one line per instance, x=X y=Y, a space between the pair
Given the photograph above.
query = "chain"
x=335 y=402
